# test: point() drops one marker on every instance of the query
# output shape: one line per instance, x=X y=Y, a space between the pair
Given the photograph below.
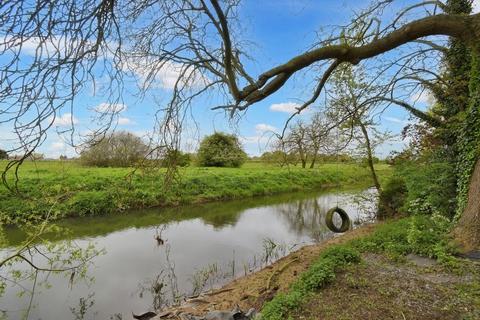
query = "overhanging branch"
x=458 y=26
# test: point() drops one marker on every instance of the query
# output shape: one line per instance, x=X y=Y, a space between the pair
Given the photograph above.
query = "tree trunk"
x=314 y=159
x=303 y=157
x=467 y=231
x=312 y=164
x=370 y=157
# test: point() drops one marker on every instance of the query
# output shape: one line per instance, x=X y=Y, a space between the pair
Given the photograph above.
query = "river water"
x=204 y=246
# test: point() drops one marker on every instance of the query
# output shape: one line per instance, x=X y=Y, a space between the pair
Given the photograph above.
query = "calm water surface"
x=204 y=247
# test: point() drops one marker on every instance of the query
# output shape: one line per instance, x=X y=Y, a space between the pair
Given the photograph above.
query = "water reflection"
x=201 y=247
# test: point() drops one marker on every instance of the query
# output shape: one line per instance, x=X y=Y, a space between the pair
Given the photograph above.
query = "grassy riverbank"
x=404 y=269
x=68 y=189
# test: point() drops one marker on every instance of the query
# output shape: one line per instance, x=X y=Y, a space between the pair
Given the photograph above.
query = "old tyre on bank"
x=343 y=215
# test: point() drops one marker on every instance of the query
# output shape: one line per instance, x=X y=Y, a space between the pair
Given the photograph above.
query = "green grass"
x=422 y=235
x=69 y=189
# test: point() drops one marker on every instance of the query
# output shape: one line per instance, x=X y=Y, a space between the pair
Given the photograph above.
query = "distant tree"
x=306 y=139
x=63 y=157
x=221 y=150
x=278 y=157
x=120 y=149
x=3 y=154
x=297 y=142
x=37 y=156
x=176 y=158
x=319 y=136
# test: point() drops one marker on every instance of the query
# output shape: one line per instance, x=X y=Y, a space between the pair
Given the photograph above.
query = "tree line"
x=124 y=149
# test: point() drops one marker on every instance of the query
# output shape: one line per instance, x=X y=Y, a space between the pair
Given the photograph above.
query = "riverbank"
x=403 y=269
x=64 y=189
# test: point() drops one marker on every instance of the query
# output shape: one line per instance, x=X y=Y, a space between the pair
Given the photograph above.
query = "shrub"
x=392 y=197
x=176 y=158
x=364 y=161
x=431 y=188
x=221 y=150
x=121 y=149
x=3 y=154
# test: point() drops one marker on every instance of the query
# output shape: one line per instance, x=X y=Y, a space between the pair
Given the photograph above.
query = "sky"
x=279 y=29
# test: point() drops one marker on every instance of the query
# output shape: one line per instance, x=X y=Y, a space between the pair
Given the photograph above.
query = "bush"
x=221 y=150
x=431 y=188
x=121 y=149
x=392 y=197
x=3 y=154
x=364 y=161
x=176 y=158
x=419 y=234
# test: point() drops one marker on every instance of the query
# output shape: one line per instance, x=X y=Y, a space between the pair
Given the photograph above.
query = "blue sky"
x=280 y=29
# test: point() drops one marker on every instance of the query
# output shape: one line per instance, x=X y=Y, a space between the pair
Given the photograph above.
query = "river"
x=155 y=257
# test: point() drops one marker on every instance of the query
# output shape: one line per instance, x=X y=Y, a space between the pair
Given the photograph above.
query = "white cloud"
x=59 y=145
x=124 y=121
x=257 y=139
x=65 y=120
x=424 y=96
x=111 y=107
x=263 y=135
x=288 y=107
x=57 y=148
x=263 y=127
x=395 y=120
x=7 y=137
x=476 y=6
x=52 y=46
x=30 y=46
x=163 y=74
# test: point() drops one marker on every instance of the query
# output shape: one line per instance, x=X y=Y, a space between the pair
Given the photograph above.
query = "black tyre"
x=346 y=223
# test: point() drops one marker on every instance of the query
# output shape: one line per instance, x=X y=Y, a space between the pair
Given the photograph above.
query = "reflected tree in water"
x=84 y=304
x=27 y=267
x=306 y=216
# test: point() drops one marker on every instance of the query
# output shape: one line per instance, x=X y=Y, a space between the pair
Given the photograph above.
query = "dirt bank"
x=253 y=290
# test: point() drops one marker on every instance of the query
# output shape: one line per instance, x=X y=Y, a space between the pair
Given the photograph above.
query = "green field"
x=69 y=189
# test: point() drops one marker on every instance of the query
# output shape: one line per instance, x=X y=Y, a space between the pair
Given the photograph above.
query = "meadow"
x=66 y=188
